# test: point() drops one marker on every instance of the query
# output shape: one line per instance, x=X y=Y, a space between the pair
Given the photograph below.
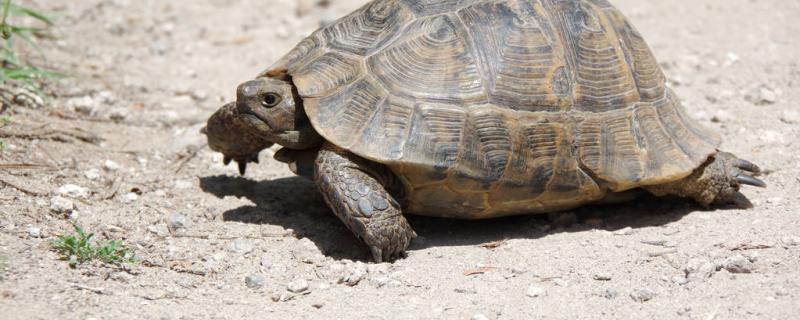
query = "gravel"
x=297 y=286
x=61 y=205
x=34 y=232
x=624 y=231
x=240 y=246
x=738 y=264
x=354 y=275
x=255 y=281
x=177 y=221
x=610 y=293
x=642 y=295
x=479 y=316
x=535 y=291
x=73 y=191
x=602 y=277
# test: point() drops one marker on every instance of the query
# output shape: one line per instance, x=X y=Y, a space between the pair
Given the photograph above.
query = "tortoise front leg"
x=355 y=189
x=716 y=182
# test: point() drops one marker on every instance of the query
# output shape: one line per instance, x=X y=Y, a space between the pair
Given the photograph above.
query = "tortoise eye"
x=270 y=100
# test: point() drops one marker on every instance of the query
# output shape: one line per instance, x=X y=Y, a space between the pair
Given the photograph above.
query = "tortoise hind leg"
x=355 y=189
x=715 y=182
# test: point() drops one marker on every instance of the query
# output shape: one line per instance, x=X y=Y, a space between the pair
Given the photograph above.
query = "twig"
x=95 y=290
x=192 y=154
x=21 y=188
x=52 y=134
x=24 y=166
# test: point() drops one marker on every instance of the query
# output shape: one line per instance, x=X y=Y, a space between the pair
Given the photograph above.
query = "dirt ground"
x=144 y=75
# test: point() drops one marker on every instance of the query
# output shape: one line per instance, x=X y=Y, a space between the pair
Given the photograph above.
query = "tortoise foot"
x=716 y=182
x=355 y=189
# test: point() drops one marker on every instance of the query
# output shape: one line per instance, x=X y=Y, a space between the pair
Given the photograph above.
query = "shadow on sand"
x=295 y=203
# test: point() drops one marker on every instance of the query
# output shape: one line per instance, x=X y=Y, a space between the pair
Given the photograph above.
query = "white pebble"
x=73 y=191
x=534 y=291
x=61 y=205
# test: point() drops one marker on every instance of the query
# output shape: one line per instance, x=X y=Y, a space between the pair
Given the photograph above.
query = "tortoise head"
x=267 y=111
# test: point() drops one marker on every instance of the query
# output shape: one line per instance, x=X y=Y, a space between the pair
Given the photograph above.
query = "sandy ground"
x=146 y=74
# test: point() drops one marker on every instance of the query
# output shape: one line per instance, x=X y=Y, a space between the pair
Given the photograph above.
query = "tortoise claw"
x=242 y=167
x=748 y=180
x=226 y=160
x=747 y=166
x=740 y=201
x=377 y=254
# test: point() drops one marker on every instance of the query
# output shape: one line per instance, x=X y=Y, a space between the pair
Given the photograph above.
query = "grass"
x=12 y=68
x=78 y=248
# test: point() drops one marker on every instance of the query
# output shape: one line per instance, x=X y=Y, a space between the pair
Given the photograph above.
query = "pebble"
x=159 y=230
x=35 y=232
x=84 y=105
x=602 y=277
x=790 y=116
x=738 y=264
x=761 y=95
x=680 y=280
x=297 y=286
x=318 y=305
x=92 y=174
x=254 y=281
x=624 y=231
x=240 y=246
x=610 y=293
x=354 y=275
x=700 y=268
x=791 y=241
x=129 y=197
x=73 y=191
x=466 y=289
x=535 y=291
x=642 y=295
x=61 y=205
x=479 y=316
x=118 y=114
x=110 y=165
x=177 y=221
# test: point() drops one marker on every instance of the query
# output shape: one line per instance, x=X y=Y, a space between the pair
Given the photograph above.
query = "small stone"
x=602 y=277
x=129 y=197
x=699 y=268
x=318 y=305
x=354 y=275
x=118 y=114
x=790 y=116
x=178 y=221
x=240 y=246
x=479 y=316
x=92 y=174
x=110 y=165
x=761 y=95
x=34 y=232
x=560 y=282
x=266 y=262
x=680 y=280
x=624 y=231
x=642 y=295
x=791 y=241
x=73 y=191
x=159 y=230
x=466 y=289
x=610 y=293
x=535 y=291
x=84 y=105
x=61 y=205
x=254 y=281
x=738 y=264
x=297 y=286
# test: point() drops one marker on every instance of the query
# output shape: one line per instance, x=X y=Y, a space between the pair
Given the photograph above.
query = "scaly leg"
x=356 y=190
x=716 y=182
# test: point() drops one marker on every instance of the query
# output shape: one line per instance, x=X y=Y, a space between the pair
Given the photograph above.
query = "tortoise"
x=475 y=109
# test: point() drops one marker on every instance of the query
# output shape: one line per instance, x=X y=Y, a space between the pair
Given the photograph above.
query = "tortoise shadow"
x=295 y=203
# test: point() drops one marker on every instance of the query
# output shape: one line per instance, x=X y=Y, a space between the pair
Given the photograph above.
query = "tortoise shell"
x=486 y=108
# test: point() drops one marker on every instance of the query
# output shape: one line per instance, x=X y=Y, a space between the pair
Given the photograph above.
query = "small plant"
x=78 y=248
x=12 y=68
